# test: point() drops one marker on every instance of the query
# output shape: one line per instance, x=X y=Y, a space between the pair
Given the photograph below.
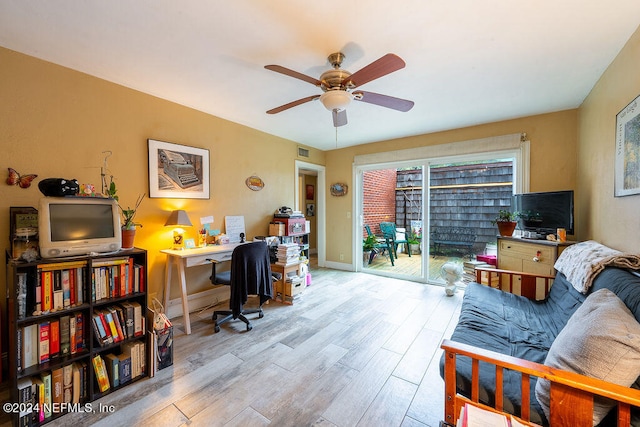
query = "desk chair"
x=250 y=274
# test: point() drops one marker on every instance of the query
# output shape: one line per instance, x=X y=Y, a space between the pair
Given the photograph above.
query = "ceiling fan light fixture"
x=336 y=99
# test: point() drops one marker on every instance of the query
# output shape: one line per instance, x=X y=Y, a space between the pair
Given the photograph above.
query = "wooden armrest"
x=571 y=393
x=506 y=279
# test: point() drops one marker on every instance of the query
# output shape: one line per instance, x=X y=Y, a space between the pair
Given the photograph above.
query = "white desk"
x=189 y=258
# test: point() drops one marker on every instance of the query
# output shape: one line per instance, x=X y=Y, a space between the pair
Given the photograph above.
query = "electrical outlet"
x=341 y=257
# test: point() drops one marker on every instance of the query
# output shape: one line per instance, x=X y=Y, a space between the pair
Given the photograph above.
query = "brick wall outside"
x=379 y=188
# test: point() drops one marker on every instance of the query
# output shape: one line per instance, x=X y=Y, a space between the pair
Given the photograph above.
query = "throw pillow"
x=600 y=340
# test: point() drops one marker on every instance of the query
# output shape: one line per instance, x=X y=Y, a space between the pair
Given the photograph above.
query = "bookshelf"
x=70 y=319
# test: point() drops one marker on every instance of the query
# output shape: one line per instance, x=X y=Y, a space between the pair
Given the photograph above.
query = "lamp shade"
x=336 y=99
x=178 y=218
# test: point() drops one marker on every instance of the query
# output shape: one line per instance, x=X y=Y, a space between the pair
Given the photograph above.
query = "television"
x=71 y=226
x=543 y=213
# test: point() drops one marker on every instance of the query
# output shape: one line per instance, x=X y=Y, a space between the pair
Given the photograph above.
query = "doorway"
x=310 y=199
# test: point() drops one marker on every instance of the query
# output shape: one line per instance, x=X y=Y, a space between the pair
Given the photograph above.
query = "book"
x=46 y=379
x=108 y=317
x=100 y=333
x=79 y=285
x=65 y=339
x=30 y=346
x=65 y=277
x=116 y=321
x=67 y=383
x=113 y=369
x=47 y=291
x=43 y=348
x=21 y=295
x=79 y=332
x=101 y=373
x=25 y=399
x=124 y=364
x=58 y=299
x=54 y=338
x=72 y=334
x=76 y=383
x=39 y=386
x=131 y=350
x=57 y=379
x=129 y=316
x=138 y=321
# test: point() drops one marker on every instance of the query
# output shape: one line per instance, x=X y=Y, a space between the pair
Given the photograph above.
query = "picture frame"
x=310 y=192
x=178 y=171
x=627 y=156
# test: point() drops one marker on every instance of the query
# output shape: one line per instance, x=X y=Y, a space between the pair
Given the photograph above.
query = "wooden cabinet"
x=55 y=342
x=529 y=256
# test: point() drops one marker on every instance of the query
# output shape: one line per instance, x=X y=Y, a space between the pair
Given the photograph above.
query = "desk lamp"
x=178 y=218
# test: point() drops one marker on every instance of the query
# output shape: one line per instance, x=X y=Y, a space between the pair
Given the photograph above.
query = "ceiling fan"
x=338 y=86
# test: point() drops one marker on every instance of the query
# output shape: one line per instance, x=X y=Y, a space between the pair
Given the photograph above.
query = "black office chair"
x=250 y=274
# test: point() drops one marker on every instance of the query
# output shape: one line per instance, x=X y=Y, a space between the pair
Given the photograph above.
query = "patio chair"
x=384 y=244
x=389 y=231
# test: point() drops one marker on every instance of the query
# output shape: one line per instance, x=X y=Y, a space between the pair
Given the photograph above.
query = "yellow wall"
x=56 y=122
x=553 y=164
x=611 y=220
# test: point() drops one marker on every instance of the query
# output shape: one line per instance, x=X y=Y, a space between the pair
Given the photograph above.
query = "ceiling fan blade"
x=399 y=104
x=292 y=104
x=381 y=67
x=339 y=117
x=294 y=74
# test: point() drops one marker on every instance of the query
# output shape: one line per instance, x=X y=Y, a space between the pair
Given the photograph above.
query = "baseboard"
x=339 y=266
x=198 y=301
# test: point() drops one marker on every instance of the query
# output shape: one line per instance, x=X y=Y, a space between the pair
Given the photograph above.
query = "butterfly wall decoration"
x=24 y=181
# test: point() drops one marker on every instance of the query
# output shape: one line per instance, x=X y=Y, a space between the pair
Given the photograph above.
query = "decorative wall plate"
x=255 y=183
x=338 y=189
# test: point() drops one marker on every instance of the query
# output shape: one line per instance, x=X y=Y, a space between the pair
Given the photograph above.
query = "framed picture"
x=310 y=192
x=627 y=162
x=311 y=209
x=178 y=171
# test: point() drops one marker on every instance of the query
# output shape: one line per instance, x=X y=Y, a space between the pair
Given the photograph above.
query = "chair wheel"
x=260 y=315
x=249 y=327
x=216 y=329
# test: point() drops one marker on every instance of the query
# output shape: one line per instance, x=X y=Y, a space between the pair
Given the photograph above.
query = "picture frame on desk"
x=178 y=171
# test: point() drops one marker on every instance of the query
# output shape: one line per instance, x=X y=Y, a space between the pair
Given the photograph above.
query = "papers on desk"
x=234 y=225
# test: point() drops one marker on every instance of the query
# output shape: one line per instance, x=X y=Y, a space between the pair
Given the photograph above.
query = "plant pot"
x=365 y=258
x=506 y=228
x=128 y=236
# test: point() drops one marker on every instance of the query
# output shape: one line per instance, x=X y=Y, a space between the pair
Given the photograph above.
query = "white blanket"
x=582 y=262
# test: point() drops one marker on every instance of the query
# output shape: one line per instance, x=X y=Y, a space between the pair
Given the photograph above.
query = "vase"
x=128 y=236
x=506 y=228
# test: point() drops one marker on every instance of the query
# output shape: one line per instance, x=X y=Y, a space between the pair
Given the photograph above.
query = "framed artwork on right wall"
x=627 y=161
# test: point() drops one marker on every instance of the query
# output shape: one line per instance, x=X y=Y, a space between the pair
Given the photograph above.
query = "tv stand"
x=529 y=255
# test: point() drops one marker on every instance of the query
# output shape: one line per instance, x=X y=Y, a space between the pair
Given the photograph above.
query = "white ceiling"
x=468 y=61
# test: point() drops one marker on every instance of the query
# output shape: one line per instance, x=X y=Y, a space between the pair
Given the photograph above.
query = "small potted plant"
x=506 y=222
x=128 y=226
x=413 y=240
x=368 y=244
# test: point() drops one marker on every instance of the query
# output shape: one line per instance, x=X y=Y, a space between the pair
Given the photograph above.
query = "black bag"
x=59 y=187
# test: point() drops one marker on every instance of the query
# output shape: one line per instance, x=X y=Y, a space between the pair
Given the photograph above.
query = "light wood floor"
x=355 y=349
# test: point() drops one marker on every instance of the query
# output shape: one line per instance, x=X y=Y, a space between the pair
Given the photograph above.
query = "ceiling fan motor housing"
x=333 y=79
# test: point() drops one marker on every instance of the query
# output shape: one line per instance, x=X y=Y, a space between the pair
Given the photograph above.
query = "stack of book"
x=469 y=275
x=288 y=254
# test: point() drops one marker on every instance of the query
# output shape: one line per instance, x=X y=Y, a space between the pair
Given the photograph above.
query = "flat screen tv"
x=544 y=213
x=71 y=226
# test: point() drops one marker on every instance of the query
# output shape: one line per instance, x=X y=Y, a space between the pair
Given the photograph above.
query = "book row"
x=119 y=322
x=116 y=277
x=44 y=341
x=115 y=370
x=50 y=393
x=59 y=286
